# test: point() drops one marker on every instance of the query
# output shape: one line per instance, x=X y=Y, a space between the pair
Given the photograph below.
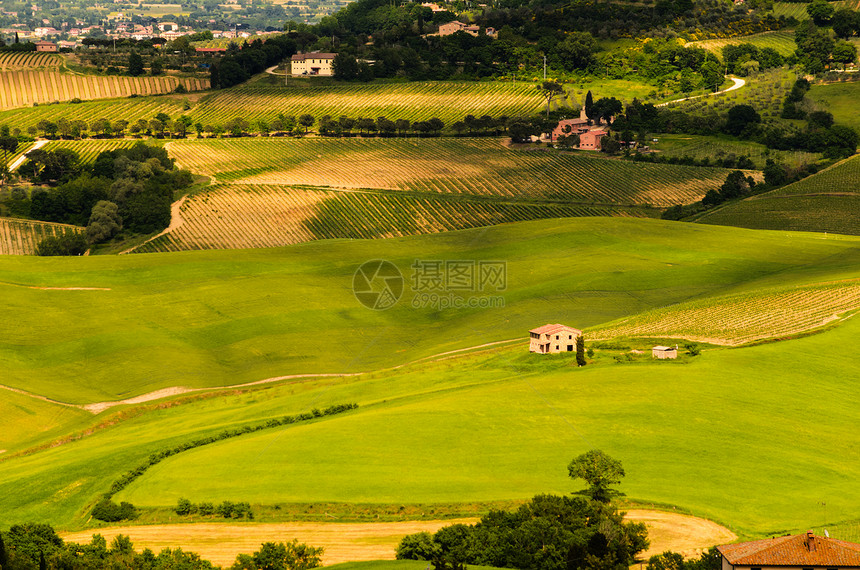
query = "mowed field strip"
x=449 y=101
x=355 y=542
x=240 y=216
x=481 y=167
x=24 y=87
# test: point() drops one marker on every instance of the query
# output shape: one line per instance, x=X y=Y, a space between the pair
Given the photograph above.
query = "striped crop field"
x=741 y=319
x=128 y=109
x=825 y=202
x=23 y=88
x=481 y=167
x=28 y=60
x=841 y=178
x=449 y=101
x=89 y=149
x=234 y=216
x=782 y=41
x=20 y=237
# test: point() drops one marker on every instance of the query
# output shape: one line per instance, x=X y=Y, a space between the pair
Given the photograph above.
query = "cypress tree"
x=580 y=350
x=589 y=105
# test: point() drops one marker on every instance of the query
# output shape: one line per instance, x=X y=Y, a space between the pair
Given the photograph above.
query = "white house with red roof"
x=792 y=552
x=550 y=339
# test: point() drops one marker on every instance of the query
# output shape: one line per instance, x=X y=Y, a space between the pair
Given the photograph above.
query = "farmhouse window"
x=556 y=347
x=570 y=348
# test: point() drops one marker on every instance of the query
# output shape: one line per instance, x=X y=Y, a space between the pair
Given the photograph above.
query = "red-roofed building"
x=46 y=46
x=800 y=551
x=211 y=51
x=553 y=338
x=590 y=140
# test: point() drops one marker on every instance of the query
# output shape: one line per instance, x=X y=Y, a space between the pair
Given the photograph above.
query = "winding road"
x=738 y=83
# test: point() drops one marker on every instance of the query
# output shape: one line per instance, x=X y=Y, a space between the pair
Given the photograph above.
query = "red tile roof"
x=797 y=550
x=552 y=329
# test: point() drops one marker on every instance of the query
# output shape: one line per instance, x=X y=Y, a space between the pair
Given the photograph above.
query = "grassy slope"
x=718 y=436
x=782 y=41
x=840 y=100
x=219 y=318
x=825 y=202
x=483 y=411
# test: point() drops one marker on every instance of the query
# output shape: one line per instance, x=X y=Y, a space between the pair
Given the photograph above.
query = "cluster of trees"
x=125 y=189
x=108 y=511
x=378 y=39
x=737 y=184
x=667 y=63
x=36 y=546
x=745 y=59
x=816 y=47
x=548 y=533
x=743 y=162
x=227 y=509
x=240 y=63
x=128 y=477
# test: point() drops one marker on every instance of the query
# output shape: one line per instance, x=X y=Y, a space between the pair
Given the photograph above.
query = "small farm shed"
x=550 y=339
x=664 y=352
x=791 y=552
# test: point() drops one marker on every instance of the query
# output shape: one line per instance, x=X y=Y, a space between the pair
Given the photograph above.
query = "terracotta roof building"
x=802 y=551
x=553 y=338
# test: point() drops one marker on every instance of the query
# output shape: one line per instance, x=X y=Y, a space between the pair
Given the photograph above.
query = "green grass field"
x=498 y=425
x=700 y=147
x=220 y=318
x=825 y=202
x=838 y=99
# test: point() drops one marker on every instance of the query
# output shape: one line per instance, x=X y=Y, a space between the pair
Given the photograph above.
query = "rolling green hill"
x=497 y=424
x=204 y=319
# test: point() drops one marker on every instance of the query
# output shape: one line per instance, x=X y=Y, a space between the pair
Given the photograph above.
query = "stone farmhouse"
x=589 y=136
x=792 y=552
x=46 y=46
x=665 y=352
x=455 y=26
x=551 y=339
x=313 y=63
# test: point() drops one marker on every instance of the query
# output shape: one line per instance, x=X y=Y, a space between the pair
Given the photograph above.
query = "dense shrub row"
x=227 y=509
x=128 y=477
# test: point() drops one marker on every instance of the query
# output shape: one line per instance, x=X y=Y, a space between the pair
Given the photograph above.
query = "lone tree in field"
x=599 y=471
x=135 y=64
x=550 y=90
x=580 y=350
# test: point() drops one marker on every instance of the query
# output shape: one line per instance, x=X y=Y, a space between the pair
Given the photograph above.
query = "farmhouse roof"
x=312 y=55
x=45 y=43
x=664 y=348
x=794 y=550
x=552 y=329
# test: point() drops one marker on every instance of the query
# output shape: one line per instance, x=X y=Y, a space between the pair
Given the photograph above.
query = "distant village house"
x=455 y=26
x=551 y=339
x=314 y=63
x=793 y=552
x=46 y=46
x=665 y=352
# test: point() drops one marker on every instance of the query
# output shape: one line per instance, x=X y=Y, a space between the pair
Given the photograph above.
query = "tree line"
x=36 y=546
